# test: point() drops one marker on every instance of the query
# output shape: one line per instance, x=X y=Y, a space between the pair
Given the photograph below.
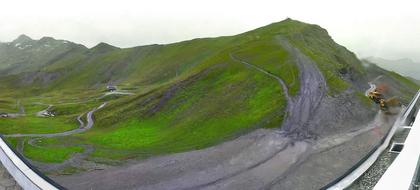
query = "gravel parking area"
x=6 y=180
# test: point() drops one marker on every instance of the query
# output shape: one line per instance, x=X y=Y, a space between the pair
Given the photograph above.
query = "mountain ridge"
x=404 y=66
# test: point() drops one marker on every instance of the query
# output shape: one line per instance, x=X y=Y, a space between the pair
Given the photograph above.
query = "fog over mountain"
x=404 y=66
x=366 y=28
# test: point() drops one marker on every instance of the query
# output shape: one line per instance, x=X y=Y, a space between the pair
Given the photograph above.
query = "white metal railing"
x=405 y=118
x=399 y=174
x=411 y=111
x=23 y=173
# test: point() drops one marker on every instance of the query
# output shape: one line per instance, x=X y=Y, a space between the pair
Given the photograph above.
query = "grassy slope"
x=224 y=102
x=33 y=124
x=189 y=95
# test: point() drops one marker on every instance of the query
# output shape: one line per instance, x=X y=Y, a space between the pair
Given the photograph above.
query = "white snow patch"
x=23 y=46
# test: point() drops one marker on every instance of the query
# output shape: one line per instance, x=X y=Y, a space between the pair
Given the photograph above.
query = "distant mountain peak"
x=104 y=47
x=103 y=44
x=380 y=59
x=46 y=39
x=404 y=66
x=22 y=38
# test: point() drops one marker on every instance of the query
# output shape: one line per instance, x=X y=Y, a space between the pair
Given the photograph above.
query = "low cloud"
x=375 y=28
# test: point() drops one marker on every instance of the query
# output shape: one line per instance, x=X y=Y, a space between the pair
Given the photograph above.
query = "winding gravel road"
x=44 y=112
x=116 y=93
x=20 y=113
x=281 y=82
x=81 y=128
x=372 y=85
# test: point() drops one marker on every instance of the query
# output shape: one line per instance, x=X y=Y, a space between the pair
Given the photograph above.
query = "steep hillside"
x=288 y=76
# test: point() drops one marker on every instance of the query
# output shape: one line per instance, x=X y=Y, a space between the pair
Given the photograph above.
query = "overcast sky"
x=388 y=29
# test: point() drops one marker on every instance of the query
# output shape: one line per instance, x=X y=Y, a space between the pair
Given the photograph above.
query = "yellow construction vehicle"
x=375 y=96
x=384 y=104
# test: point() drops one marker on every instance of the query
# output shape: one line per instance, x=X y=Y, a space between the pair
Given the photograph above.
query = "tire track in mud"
x=323 y=145
x=284 y=147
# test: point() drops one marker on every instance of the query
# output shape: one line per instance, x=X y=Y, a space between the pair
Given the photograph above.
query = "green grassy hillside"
x=187 y=95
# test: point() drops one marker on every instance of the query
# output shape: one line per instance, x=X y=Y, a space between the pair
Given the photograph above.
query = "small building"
x=4 y=115
x=111 y=88
x=47 y=114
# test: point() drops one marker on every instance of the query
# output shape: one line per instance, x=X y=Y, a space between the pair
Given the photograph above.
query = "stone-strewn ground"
x=6 y=180
x=369 y=179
